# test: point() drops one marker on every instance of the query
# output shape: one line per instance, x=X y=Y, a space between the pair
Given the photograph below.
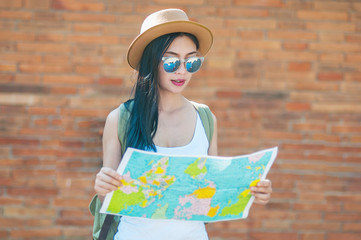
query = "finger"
x=264 y=183
x=103 y=187
x=262 y=202
x=261 y=198
x=261 y=189
x=103 y=178
x=111 y=172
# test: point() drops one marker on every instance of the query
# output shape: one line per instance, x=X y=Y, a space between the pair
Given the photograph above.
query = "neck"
x=171 y=102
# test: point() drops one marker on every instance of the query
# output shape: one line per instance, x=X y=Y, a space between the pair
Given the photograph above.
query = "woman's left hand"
x=262 y=192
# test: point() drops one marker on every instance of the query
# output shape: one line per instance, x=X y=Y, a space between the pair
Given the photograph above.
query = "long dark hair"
x=143 y=121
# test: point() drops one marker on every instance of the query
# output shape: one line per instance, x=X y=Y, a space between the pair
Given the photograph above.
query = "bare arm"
x=108 y=179
x=213 y=151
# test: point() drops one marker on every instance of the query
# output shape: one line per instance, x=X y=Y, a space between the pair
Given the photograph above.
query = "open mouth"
x=179 y=82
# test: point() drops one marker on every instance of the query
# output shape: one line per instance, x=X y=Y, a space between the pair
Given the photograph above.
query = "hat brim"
x=201 y=32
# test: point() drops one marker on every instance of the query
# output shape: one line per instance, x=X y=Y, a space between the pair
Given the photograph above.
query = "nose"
x=182 y=69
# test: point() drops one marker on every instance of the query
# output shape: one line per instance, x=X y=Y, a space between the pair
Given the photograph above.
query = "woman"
x=167 y=52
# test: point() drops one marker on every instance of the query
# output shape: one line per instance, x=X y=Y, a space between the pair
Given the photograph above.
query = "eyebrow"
x=174 y=53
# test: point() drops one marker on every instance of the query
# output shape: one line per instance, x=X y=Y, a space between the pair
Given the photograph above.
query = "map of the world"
x=200 y=188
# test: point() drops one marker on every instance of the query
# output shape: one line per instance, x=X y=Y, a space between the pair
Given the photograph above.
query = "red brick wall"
x=281 y=72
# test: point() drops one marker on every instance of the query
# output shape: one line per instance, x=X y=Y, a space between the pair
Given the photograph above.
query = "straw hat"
x=164 y=22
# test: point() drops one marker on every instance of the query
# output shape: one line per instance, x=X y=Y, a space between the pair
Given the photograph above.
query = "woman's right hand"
x=106 y=180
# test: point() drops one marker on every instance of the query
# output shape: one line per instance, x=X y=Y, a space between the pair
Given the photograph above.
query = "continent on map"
x=197 y=168
x=240 y=205
x=197 y=203
x=144 y=190
x=255 y=158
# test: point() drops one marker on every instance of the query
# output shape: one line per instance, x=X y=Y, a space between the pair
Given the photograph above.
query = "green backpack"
x=106 y=226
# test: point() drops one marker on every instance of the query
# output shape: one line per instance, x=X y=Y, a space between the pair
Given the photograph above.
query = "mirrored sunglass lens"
x=193 y=64
x=171 y=64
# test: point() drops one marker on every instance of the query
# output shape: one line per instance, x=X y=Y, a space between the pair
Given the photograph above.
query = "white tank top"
x=133 y=228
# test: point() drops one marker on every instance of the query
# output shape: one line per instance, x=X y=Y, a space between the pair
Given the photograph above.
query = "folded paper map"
x=199 y=188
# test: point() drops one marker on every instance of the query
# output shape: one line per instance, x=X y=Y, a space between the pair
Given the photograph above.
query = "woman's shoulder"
x=121 y=110
x=112 y=117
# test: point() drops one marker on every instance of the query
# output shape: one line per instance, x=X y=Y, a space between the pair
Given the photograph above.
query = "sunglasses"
x=192 y=64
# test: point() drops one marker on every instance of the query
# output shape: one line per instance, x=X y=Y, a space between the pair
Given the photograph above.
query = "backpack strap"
x=207 y=119
x=104 y=226
x=124 y=115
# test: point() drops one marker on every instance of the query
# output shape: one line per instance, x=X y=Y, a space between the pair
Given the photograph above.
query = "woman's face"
x=182 y=47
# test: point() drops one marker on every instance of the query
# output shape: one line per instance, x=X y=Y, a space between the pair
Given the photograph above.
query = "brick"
x=47 y=16
x=11 y=4
x=10 y=222
x=45 y=68
x=110 y=81
x=87 y=69
x=50 y=37
x=18 y=99
x=67 y=79
x=87 y=28
x=273 y=236
x=332 y=57
x=335 y=47
x=43 y=47
x=332 y=37
x=348 y=236
x=74 y=222
x=271 y=45
x=82 y=17
x=250 y=24
x=292 y=35
x=297 y=106
x=81 y=203
x=322 y=15
x=77 y=6
x=249 y=12
x=342 y=217
x=18 y=141
x=310 y=127
x=20 y=57
x=336 y=108
x=315 y=207
x=45 y=223
x=267 y=3
x=299 y=66
x=346 y=129
x=295 y=46
x=37 y=202
x=94 y=39
x=310 y=216
x=228 y=94
x=43 y=27
x=290 y=55
x=354 y=38
x=351 y=227
x=36 y=233
x=4 y=234
x=185 y=2
x=331 y=27
x=29 y=212
x=326 y=138
x=7 y=67
x=353 y=58
x=330 y=5
x=4 y=35
x=37 y=4
x=32 y=192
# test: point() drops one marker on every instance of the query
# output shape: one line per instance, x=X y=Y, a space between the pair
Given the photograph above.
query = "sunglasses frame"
x=183 y=61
